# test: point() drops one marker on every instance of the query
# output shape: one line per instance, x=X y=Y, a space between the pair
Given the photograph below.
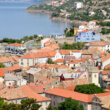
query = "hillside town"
x=50 y=74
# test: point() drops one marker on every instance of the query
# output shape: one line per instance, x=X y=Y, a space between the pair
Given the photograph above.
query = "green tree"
x=74 y=46
x=50 y=107
x=29 y=104
x=49 y=61
x=2 y=65
x=89 y=89
x=70 y=104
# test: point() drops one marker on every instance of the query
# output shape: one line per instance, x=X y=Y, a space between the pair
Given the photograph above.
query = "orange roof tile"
x=77 y=61
x=75 y=95
x=12 y=93
x=2 y=72
x=12 y=68
x=105 y=72
x=105 y=58
x=59 y=60
x=85 y=31
x=30 y=94
x=67 y=93
x=4 y=59
x=98 y=43
x=39 y=55
x=40 y=86
x=16 y=45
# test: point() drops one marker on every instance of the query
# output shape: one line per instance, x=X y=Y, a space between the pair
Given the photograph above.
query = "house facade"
x=86 y=36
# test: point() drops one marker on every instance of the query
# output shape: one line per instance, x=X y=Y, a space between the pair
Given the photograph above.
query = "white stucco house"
x=78 y=5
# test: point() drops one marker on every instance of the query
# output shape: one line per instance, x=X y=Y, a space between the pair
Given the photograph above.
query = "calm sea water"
x=16 y=23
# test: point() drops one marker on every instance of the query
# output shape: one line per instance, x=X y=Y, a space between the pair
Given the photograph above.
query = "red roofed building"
x=90 y=102
x=16 y=95
x=101 y=45
x=105 y=61
x=31 y=59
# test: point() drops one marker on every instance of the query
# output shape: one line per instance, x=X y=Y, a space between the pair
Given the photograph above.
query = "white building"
x=78 y=5
x=15 y=48
x=44 y=41
x=91 y=13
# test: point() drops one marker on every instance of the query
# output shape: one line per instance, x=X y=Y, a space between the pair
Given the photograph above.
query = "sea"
x=16 y=23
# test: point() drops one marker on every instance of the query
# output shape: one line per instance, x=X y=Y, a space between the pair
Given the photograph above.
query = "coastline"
x=75 y=22
x=38 y=11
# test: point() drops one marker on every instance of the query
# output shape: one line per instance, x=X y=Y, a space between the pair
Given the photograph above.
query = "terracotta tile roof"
x=30 y=94
x=77 y=61
x=2 y=72
x=85 y=31
x=13 y=68
x=15 y=58
x=12 y=93
x=12 y=59
x=49 y=66
x=40 y=86
x=54 y=47
x=16 y=45
x=105 y=101
x=71 y=88
x=98 y=43
x=105 y=72
x=39 y=55
x=102 y=54
x=67 y=93
x=91 y=51
x=104 y=97
x=105 y=58
x=107 y=66
x=59 y=60
x=67 y=52
x=79 y=81
x=4 y=59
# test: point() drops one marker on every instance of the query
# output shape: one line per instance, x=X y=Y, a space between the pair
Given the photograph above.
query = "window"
x=95 y=75
x=93 y=33
x=22 y=63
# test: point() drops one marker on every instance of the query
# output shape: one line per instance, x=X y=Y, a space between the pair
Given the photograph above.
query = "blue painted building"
x=86 y=36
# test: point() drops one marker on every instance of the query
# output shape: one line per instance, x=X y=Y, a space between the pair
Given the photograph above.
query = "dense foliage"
x=2 y=65
x=49 y=61
x=69 y=32
x=27 y=104
x=105 y=31
x=77 y=45
x=89 y=89
x=104 y=23
x=77 y=14
x=24 y=39
x=106 y=27
x=68 y=104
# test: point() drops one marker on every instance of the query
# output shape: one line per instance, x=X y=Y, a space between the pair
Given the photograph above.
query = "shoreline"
x=75 y=22
x=38 y=11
